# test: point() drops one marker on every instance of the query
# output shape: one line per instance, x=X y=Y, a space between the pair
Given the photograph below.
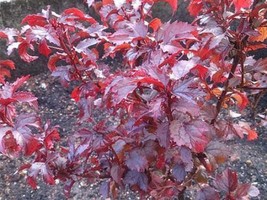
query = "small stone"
x=43 y=85
x=248 y=162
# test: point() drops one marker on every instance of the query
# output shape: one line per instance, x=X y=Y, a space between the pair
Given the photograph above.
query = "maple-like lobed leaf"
x=193 y=134
x=26 y=120
x=168 y=32
x=147 y=133
x=187 y=89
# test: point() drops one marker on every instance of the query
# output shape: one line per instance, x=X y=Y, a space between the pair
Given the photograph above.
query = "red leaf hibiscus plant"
x=163 y=129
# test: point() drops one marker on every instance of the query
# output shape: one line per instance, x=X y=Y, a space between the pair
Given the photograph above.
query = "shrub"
x=169 y=102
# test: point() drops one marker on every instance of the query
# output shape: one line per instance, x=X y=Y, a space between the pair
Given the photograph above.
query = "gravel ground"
x=249 y=158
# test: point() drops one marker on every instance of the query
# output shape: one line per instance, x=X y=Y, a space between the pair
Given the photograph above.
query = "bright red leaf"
x=242 y=4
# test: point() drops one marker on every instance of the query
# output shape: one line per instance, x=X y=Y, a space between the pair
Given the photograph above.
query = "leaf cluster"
x=173 y=99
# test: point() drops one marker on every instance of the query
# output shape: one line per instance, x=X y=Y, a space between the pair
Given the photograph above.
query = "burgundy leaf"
x=193 y=134
x=163 y=134
x=240 y=4
x=53 y=60
x=168 y=31
x=185 y=106
x=188 y=90
x=120 y=87
x=227 y=181
x=195 y=7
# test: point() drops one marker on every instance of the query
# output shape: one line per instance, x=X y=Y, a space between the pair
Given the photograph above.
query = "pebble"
x=248 y=162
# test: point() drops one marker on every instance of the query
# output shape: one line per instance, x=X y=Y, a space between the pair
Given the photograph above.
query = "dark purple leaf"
x=136 y=160
x=207 y=193
x=163 y=134
x=179 y=173
x=116 y=173
x=104 y=189
x=186 y=156
x=136 y=178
